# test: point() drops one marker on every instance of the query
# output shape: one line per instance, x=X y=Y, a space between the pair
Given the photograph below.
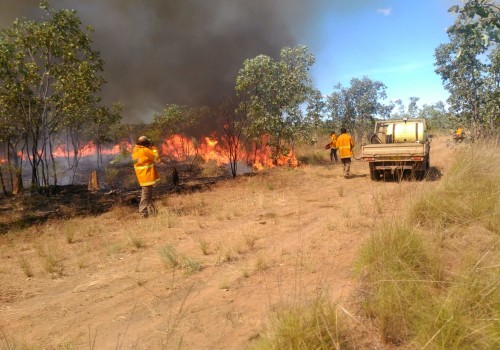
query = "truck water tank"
x=409 y=132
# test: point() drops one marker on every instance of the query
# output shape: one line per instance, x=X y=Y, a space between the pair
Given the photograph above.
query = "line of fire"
x=69 y=164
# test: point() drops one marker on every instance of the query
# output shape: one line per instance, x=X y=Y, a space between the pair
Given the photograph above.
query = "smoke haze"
x=158 y=52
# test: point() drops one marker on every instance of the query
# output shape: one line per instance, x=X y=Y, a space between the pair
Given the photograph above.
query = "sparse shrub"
x=317 y=325
x=245 y=272
x=203 y=246
x=250 y=240
x=172 y=259
x=169 y=256
x=81 y=262
x=340 y=191
x=70 y=228
x=26 y=266
x=115 y=248
x=189 y=264
x=261 y=264
x=136 y=241
x=224 y=283
x=52 y=263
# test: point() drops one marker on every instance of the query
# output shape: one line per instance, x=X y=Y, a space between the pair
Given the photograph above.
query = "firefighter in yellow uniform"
x=145 y=156
x=345 y=144
x=333 y=147
x=459 y=135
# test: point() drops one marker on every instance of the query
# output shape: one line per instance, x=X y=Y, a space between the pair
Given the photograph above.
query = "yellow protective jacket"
x=333 y=143
x=144 y=164
x=345 y=144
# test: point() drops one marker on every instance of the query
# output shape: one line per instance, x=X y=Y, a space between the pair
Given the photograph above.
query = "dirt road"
x=243 y=248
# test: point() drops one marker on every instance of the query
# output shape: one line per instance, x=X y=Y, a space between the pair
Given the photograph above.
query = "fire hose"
x=353 y=155
x=327 y=147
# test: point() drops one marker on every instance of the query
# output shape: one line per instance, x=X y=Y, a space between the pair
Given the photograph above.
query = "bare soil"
x=283 y=236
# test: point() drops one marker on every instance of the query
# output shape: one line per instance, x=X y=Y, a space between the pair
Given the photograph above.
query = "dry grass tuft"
x=316 y=325
x=26 y=266
x=204 y=246
x=172 y=259
x=51 y=262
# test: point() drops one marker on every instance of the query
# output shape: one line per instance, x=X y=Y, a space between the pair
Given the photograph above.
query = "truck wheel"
x=374 y=175
x=420 y=175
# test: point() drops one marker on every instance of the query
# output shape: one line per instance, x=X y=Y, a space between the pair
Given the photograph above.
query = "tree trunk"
x=2 y=182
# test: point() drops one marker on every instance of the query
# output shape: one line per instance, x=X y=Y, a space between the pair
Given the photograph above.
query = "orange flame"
x=182 y=148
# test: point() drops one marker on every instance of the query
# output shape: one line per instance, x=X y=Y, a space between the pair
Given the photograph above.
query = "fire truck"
x=398 y=147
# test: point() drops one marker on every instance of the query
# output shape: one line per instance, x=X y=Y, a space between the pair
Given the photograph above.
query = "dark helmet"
x=343 y=131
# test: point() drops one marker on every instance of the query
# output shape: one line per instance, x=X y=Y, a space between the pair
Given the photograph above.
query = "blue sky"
x=393 y=44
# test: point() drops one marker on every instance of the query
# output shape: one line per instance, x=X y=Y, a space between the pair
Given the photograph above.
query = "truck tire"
x=374 y=174
x=420 y=174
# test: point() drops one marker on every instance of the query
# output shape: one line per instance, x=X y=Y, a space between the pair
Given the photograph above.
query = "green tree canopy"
x=354 y=107
x=276 y=90
x=50 y=77
x=471 y=76
x=480 y=18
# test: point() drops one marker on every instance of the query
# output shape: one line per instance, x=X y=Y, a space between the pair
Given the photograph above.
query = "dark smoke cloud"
x=158 y=52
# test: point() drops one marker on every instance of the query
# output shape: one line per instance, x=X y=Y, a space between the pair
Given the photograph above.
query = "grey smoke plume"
x=158 y=52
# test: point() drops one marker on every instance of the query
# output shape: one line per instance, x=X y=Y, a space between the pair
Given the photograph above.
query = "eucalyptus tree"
x=438 y=117
x=354 y=107
x=468 y=77
x=315 y=115
x=11 y=134
x=232 y=117
x=276 y=89
x=413 y=107
x=49 y=74
x=480 y=18
x=468 y=64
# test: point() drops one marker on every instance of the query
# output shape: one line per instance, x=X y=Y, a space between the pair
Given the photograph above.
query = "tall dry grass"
x=415 y=301
x=469 y=192
x=399 y=274
x=313 y=325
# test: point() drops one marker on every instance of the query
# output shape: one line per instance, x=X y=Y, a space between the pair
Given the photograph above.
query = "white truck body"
x=398 y=147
